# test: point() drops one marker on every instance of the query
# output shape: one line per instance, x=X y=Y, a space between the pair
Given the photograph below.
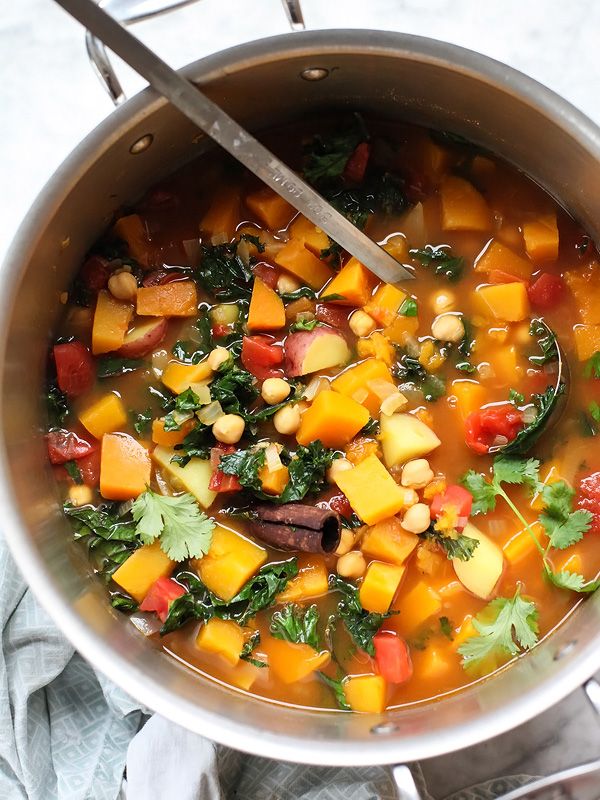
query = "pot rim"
x=93 y=647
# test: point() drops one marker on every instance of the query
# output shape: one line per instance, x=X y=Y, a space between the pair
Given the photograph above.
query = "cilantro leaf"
x=517 y=471
x=461 y=548
x=484 y=494
x=296 y=624
x=571 y=581
x=504 y=627
x=564 y=526
x=441 y=259
x=184 y=530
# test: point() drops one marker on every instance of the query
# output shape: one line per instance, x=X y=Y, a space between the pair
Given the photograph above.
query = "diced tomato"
x=219 y=481
x=392 y=657
x=94 y=274
x=159 y=277
x=66 y=446
x=162 y=593
x=75 y=371
x=547 y=291
x=336 y=316
x=338 y=503
x=267 y=274
x=356 y=166
x=259 y=356
x=456 y=497
x=219 y=331
x=483 y=426
x=89 y=466
x=499 y=276
x=588 y=498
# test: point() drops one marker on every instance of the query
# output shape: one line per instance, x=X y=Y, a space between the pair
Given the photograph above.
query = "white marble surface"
x=49 y=99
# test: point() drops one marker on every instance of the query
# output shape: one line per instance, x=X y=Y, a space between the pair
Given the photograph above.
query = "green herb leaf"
x=113 y=365
x=564 y=526
x=305 y=325
x=441 y=259
x=546 y=339
x=571 y=581
x=196 y=444
x=304 y=291
x=545 y=404
x=184 y=530
x=142 y=421
x=516 y=398
x=361 y=625
x=74 y=472
x=326 y=156
x=592 y=366
x=185 y=404
x=245 y=465
x=248 y=649
x=234 y=389
x=484 y=494
x=224 y=274
x=123 y=602
x=337 y=686
x=56 y=405
x=110 y=539
x=307 y=472
x=594 y=410
x=446 y=628
x=461 y=548
x=296 y=624
x=408 y=308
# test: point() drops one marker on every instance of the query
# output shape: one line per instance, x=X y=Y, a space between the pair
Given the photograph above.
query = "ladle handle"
x=128 y=12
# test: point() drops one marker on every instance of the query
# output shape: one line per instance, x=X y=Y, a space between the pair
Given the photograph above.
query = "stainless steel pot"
x=262 y=83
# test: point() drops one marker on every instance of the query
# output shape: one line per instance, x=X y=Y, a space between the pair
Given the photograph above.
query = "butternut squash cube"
x=104 y=415
x=521 y=545
x=541 y=238
x=366 y=693
x=313 y=238
x=388 y=541
x=377 y=346
x=267 y=312
x=587 y=340
x=298 y=260
x=177 y=376
x=357 y=378
x=416 y=606
x=244 y=675
x=194 y=477
x=332 y=418
x=230 y=562
x=585 y=288
x=371 y=491
x=466 y=630
x=274 y=482
x=353 y=282
x=223 y=637
x=111 y=320
x=504 y=301
x=169 y=438
x=497 y=256
x=385 y=303
x=144 y=566
x=463 y=207
x=124 y=467
x=133 y=231
x=469 y=396
x=292 y=662
x=270 y=208
x=432 y=663
x=379 y=586
x=223 y=216
x=175 y=299
x=401 y=329
x=311 y=580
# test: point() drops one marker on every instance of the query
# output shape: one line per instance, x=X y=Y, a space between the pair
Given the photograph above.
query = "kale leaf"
x=223 y=273
x=442 y=261
x=113 y=365
x=56 y=405
x=192 y=351
x=294 y=623
x=361 y=625
x=110 y=539
x=545 y=404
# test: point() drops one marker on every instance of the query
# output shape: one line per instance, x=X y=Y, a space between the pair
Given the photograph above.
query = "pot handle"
x=130 y=11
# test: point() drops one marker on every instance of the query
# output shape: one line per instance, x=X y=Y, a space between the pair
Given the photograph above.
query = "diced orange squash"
x=379 y=586
x=274 y=482
x=549 y=474
x=388 y=541
x=522 y=545
x=223 y=637
x=401 y=329
x=587 y=340
x=463 y=207
x=111 y=320
x=377 y=346
x=298 y=260
x=504 y=301
x=358 y=377
x=292 y=662
x=353 y=282
x=434 y=159
x=230 y=562
x=397 y=247
x=505 y=363
x=177 y=376
x=175 y=299
x=415 y=607
x=169 y=438
x=541 y=238
x=132 y=230
x=311 y=580
x=483 y=168
x=371 y=491
x=465 y=631
x=223 y=216
x=365 y=693
x=585 y=288
x=244 y=675
x=311 y=237
x=498 y=256
x=124 y=467
x=360 y=448
x=385 y=303
x=470 y=396
x=271 y=209
x=143 y=567
x=267 y=312
x=431 y=663
x=104 y=415
x=332 y=418
x=572 y=563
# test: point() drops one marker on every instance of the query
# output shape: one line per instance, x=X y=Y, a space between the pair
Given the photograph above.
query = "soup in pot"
x=313 y=486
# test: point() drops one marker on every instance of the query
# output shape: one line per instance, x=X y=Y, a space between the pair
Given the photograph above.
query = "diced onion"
x=412 y=347
x=243 y=251
x=392 y=403
x=191 y=248
x=381 y=388
x=304 y=316
x=272 y=459
x=146 y=622
x=529 y=414
x=218 y=238
x=314 y=387
x=360 y=395
x=179 y=417
x=485 y=370
x=160 y=359
x=499 y=441
x=210 y=413
x=124 y=508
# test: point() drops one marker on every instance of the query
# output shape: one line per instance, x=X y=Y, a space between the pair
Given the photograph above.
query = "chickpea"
x=346 y=542
x=417 y=518
x=443 y=301
x=410 y=498
x=217 y=357
x=416 y=474
x=122 y=286
x=351 y=565
x=287 y=420
x=275 y=390
x=229 y=428
x=448 y=328
x=285 y=284
x=337 y=466
x=361 y=324
x=80 y=495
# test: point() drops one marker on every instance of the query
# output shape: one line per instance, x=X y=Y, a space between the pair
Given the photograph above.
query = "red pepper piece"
x=588 y=498
x=458 y=498
x=392 y=657
x=219 y=481
x=160 y=596
x=356 y=166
